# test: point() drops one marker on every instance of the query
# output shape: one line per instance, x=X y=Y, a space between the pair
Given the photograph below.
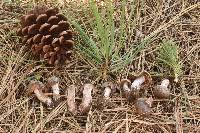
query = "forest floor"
x=178 y=114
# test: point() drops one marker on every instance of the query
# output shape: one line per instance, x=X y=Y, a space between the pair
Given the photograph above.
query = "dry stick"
x=120 y=126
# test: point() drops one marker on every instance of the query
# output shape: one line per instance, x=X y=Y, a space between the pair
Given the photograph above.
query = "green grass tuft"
x=104 y=49
x=169 y=56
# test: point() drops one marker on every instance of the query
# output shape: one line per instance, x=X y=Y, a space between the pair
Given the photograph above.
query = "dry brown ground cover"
x=175 y=19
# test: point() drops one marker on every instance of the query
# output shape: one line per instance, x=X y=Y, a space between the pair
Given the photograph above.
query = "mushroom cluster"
x=132 y=87
x=42 y=93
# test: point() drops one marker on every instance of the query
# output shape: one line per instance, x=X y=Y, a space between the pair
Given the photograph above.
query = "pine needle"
x=169 y=56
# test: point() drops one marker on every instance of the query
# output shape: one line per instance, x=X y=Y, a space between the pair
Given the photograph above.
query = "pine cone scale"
x=30 y=19
x=42 y=18
x=37 y=38
x=44 y=28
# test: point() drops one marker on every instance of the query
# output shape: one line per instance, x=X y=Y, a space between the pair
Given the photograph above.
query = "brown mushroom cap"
x=161 y=92
x=147 y=77
x=123 y=81
x=143 y=106
x=53 y=80
x=126 y=94
x=110 y=85
x=33 y=85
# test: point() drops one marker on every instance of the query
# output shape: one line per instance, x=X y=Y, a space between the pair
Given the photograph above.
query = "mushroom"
x=143 y=78
x=70 y=92
x=162 y=91
x=53 y=82
x=87 y=98
x=143 y=106
x=36 y=87
x=125 y=84
x=104 y=100
x=109 y=88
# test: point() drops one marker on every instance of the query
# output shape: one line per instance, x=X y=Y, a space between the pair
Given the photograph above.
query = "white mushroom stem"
x=107 y=93
x=149 y=101
x=137 y=82
x=56 y=89
x=87 y=97
x=42 y=97
x=165 y=83
x=54 y=83
x=125 y=87
x=71 y=99
x=176 y=78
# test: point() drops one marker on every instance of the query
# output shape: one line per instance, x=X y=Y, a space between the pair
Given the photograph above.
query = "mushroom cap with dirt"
x=143 y=106
x=162 y=91
x=110 y=85
x=147 y=76
x=146 y=81
x=35 y=85
x=125 y=86
x=53 y=81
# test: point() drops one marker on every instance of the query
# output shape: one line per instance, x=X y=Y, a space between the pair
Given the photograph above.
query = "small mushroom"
x=109 y=88
x=87 y=98
x=143 y=78
x=71 y=94
x=125 y=84
x=53 y=82
x=143 y=106
x=104 y=101
x=162 y=91
x=36 y=87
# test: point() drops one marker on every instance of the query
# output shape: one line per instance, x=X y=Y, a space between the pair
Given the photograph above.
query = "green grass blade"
x=131 y=54
x=111 y=28
x=101 y=30
x=90 y=48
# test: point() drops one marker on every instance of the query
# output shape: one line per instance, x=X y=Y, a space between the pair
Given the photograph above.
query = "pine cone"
x=47 y=32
